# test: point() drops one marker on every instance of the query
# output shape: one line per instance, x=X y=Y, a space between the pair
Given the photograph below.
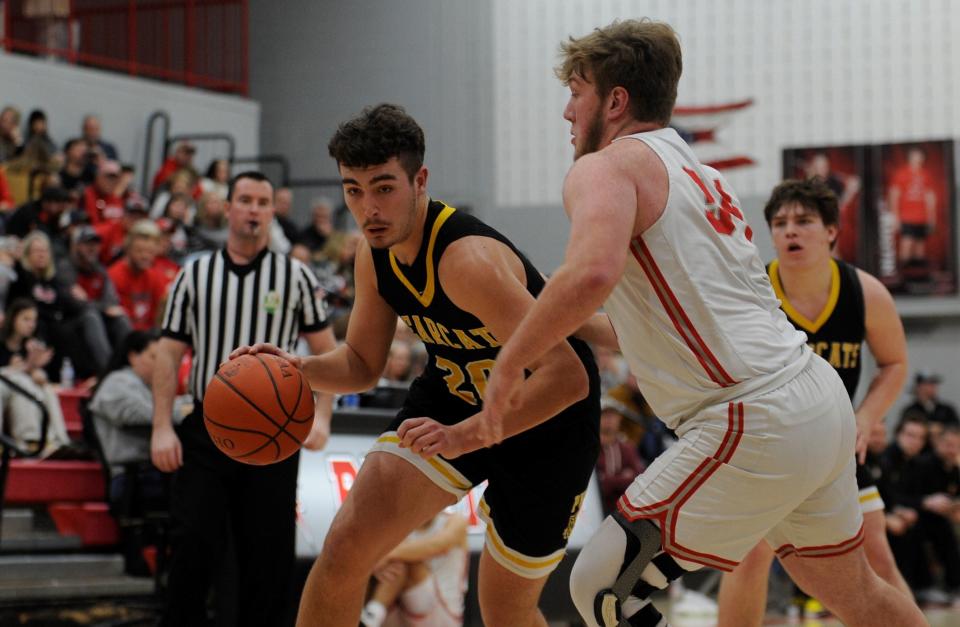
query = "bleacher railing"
x=201 y=43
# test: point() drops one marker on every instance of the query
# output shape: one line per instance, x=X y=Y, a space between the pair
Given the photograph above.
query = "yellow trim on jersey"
x=524 y=561
x=434 y=462
x=796 y=316
x=426 y=296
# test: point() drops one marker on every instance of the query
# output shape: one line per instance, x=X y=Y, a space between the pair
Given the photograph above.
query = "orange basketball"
x=258 y=409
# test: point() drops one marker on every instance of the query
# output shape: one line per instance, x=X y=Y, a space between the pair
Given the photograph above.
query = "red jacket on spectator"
x=140 y=293
x=6 y=198
x=167 y=267
x=102 y=207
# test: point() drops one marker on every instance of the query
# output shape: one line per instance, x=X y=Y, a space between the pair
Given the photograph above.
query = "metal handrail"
x=148 y=146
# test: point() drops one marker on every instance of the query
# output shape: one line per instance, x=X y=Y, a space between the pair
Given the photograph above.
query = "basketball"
x=258 y=409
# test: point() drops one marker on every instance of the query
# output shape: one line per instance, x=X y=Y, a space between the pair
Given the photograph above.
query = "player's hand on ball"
x=166 y=452
x=269 y=349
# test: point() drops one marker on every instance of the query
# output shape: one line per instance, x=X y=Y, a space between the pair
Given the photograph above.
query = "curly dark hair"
x=812 y=194
x=375 y=136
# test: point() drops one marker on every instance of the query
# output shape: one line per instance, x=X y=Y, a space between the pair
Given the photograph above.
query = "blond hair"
x=642 y=56
x=32 y=238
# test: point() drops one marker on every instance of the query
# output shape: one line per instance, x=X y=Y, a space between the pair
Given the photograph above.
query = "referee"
x=242 y=294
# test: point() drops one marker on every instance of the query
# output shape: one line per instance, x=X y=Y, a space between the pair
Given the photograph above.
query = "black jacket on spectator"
x=32 y=216
x=929 y=476
x=898 y=474
x=311 y=238
x=54 y=302
x=290 y=230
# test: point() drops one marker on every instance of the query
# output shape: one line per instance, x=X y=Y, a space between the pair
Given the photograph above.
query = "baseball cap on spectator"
x=55 y=194
x=85 y=233
x=926 y=376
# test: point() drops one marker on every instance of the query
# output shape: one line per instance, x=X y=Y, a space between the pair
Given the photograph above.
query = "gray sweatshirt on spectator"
x=122 y=412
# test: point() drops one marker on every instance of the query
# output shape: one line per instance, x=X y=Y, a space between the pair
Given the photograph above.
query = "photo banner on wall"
x=844 y=168
x=915 y=212
x=897 y=209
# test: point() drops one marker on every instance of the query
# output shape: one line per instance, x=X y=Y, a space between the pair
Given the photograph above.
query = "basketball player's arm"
x=602 y=203
x=598 y=330
x=893 y=200
x=165 y=449
x=484 y=277
x=357 y=363
x=930 y=197
x=320 y=342
x=451 y=535
x=888 y=344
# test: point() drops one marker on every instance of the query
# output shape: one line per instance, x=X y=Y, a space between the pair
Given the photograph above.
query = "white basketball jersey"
x=694 y=311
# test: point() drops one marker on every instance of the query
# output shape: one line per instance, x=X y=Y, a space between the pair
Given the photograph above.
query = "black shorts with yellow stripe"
x=870 y=500
x=536 y=483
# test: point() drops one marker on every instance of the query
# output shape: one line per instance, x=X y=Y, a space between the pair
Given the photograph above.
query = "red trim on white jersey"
x=679 y=318
x=667 y=512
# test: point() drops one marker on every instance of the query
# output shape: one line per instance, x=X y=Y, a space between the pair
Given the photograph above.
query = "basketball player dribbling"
x=462 y=287
x=766 y=430
x=838 y=306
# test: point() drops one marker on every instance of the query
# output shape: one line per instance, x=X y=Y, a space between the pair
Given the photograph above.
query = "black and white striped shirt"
x=216 y=306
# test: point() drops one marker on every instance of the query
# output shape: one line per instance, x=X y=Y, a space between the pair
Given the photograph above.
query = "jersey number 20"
x=478 y=371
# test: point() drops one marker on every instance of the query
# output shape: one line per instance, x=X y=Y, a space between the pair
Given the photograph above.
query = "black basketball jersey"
x=838 y=332
x=461 y=349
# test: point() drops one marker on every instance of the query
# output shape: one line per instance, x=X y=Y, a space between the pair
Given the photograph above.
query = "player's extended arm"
x=165 y=449
x=599 y=331
x=357 y=363
x=601 y=201
x=888 y=344
x=483 y=276
x=451 y=535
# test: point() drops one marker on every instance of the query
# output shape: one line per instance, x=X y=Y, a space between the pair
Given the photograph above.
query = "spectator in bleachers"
x=313 y=238
x=114 y=234
x=174 y=224
x=181 y=159
x=612 y=367
x=10 y=138
x=897 y=464
x=938 y=414
x=37 y=132
x=335 y=272
x=78 y=168
x=34 y=165
x=23 y=357
x=91 y=133
x=210 y=227
x=932 y=487
x=122 y=411
x=423 y=580
x=140 y=286
x=180 y=184
x=45 y=215
x=283 y=203
x=89 y=282
x=102 y=200
x=644 y=428
x=170 y=256
x=618 y=463
x=74 y=329
x=217 y=178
